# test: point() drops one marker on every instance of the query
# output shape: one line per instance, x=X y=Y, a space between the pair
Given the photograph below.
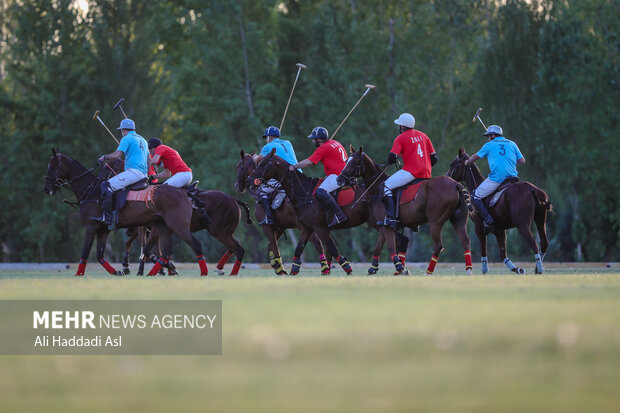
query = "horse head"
x=457 y=166
x=56 y=173
x=245 y=167
x=354 y=168
x=270 y=167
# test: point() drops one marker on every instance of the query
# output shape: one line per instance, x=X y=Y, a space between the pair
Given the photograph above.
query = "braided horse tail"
x=541 y=198
x=464 y=195
x=247 y=210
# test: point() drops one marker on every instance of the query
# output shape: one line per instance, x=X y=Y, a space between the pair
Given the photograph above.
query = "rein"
x=377 y=176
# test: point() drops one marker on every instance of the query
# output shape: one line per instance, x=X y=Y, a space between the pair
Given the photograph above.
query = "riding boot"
x=335 y=214
x=484 y=213
x=266 y=204
x=390 y=212
x=106 y=204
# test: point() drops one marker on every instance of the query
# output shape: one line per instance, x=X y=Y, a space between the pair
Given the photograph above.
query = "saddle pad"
x=409 y=193
x=146 y=195
x=344 y=196
x=496 y=197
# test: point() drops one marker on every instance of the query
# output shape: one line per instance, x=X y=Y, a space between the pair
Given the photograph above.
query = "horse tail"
x=541 y=199
x=464 y=195
x=247 y=210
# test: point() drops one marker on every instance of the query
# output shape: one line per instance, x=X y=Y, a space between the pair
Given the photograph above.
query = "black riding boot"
x=266 y=204
x=329 y=204
x=484 y=213
x=106 y=205
x=390 y=212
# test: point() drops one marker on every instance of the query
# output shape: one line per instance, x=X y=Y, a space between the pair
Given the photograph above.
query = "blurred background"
x=207 y=77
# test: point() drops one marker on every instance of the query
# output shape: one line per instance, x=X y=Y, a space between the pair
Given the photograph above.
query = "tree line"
x=207 y=77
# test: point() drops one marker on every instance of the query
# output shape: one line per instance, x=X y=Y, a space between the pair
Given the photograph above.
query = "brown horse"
x=299 y=189
x=285 y=218
x=438 y=199
x=520 y=203
x=170 y=209
x=220 y=218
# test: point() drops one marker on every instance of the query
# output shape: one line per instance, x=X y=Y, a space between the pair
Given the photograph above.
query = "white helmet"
x=494 y=130
x=406 y=119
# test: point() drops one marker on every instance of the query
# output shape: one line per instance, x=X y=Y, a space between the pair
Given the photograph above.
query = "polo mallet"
x=300 y=66
x=477 y=116
x=371 y=185
x=368 y=88
x=119 y=104
x=96 y=116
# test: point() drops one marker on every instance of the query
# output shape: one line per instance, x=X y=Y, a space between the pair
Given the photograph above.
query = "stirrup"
x=266 y=221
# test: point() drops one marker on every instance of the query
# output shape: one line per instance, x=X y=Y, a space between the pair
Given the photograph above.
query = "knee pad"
x=386 y=191
x=321 y=193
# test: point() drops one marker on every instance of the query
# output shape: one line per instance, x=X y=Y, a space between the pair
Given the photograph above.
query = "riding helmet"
x=271 y=131
x=319 y=133
x=405 y=119
x=127 y=124
x=494 y=130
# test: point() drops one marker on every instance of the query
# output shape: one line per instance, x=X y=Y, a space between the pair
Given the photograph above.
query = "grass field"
x=446 y=343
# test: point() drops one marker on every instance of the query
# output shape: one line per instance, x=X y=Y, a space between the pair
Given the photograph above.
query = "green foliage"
x=207 y=77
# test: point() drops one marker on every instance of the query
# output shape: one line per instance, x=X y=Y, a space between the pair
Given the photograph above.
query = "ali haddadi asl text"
x=78 y=341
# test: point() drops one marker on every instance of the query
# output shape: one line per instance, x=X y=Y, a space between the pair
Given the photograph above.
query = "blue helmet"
x=271 y=131
x=319 y=133
x=127 y=124
x=494 y=130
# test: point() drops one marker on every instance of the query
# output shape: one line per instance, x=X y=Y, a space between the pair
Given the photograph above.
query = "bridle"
x=243 y=170
x=467 y=171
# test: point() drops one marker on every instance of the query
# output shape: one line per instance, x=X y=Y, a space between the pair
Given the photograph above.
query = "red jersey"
x=333 y=156
x=171 y=159
x=415 y=148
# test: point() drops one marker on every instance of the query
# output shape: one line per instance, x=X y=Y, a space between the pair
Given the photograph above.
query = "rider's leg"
x=263 y=194
x=398 y=179
x=486 y=188
x=327 y=201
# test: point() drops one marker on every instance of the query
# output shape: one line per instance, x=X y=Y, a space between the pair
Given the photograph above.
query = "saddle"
x=492 y=199
x=407 y=193
x=119 y=198
x=343 y=195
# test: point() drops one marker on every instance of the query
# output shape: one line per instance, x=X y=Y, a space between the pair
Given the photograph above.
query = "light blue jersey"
x=502 y=155
x=284 y=150
x=136 y=152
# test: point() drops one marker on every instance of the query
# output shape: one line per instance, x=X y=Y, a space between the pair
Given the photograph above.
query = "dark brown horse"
x=438 y=200
x=285 y=218
x=299 y=189
x=221 y=217
x=169 y=209
x=520 y=203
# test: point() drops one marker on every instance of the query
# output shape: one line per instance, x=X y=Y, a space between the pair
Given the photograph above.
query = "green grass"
x=336 y=344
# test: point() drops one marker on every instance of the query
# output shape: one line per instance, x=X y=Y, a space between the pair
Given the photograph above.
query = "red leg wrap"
x=223 y=260
x=468 y=265
x=403 y=257
x=81 y=268
x=236 y=267
x=202 y=264
x=431 y=265
x=160 y=262
x=107 y=266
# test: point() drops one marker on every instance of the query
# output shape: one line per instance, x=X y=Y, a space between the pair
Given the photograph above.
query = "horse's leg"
x=388 y=234
x=402 y=242
x=102 y=238
x=323 y=259
x=460 y=225
x=219 y=268
x=374 y=266
x=186 y=235
x=330 y=245
x=482 y=238
x=435 y=231
x=503 y=253
x=526 y=233
x=540 y=219
x=89 y=237
x=128 y=243
x=232 y=247
x=160 y=234
x=304 y=236
x=146 y=244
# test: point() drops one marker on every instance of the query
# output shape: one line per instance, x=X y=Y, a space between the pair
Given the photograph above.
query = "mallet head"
x=301 y=66
x=120 y=102
x=369 y=86
x=96 y=115
x=477 y=114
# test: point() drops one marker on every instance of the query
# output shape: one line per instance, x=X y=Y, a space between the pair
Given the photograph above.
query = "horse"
x=169 y=210
x=141 y=234
x=285 y=218
x=519 y=204
x=219 y=215
x=437 y=200
x=299 y=188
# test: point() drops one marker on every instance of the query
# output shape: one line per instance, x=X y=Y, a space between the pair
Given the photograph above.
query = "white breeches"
x=180 y=179
x=398 y=179
x=330 y=184
x=125 y=178
x=486 y=188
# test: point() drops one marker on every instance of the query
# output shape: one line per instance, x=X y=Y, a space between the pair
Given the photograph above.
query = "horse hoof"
x=119 y=273
x=219 y=272
x=126 y=271
x=324 y=273
x=372 y=271
x=468 y=271
x=519 y=270
x=140 y=273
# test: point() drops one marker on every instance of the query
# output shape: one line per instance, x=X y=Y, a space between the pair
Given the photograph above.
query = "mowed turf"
x=496 y=343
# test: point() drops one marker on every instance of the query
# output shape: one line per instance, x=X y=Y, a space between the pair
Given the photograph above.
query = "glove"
x=391 y=158
x=151 y=179
x=101 y=160
x=434 y=159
